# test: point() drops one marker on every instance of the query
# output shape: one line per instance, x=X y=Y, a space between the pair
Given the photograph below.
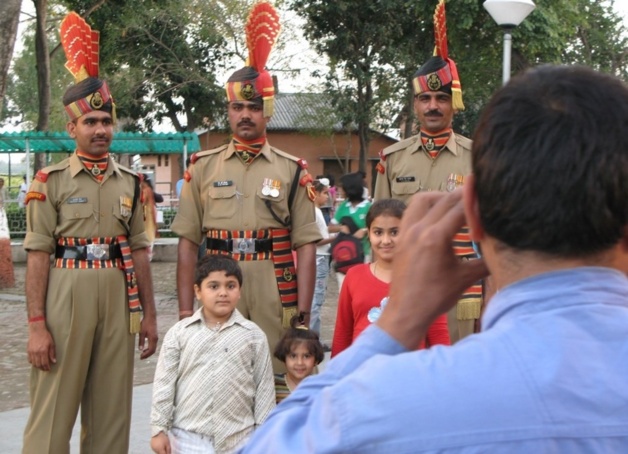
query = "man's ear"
x=471 y=209
x=70 y=127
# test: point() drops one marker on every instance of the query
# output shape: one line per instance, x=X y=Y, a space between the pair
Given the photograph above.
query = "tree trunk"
x=43 y=76
x=9 y=18
x=408 y=129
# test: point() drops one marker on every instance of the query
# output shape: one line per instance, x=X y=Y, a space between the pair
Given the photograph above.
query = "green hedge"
x=17 y=222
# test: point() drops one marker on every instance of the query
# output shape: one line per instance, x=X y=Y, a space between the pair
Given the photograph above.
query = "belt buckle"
x=97 y=252
x=243 y=245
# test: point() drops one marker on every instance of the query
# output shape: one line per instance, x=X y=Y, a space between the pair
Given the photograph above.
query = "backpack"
x=346 y=252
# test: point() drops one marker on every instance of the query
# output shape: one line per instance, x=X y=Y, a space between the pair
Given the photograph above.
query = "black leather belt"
x=240 y=245
x=89 y=252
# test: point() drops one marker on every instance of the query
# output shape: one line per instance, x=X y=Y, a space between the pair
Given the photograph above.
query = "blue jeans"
x=322 y=271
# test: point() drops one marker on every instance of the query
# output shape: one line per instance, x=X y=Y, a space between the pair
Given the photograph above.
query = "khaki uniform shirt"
x=224 y=194
x=408 y=167
x=75 y=205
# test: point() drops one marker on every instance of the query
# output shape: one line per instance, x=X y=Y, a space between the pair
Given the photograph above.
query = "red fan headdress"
x=254 y=82
x=81 y=46
x=439 y=73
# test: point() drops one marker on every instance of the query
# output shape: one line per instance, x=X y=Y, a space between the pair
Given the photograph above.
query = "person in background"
x=179 y=185
x=213 y=382
x=355 y=207
x=366 y=195
x=327 y=207
x=365 y=290
x=333 y=196
x=301 y=350
x=3 y=193
x=150 y=212
x=321 y=187
x=556 y=245
x=85 y=308
x=7 y=278
x=21 y=196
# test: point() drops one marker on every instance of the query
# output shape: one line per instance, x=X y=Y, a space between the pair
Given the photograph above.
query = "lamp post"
x=508 y=14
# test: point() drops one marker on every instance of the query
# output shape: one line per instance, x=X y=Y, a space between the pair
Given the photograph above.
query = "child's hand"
x=361 y=233
x=160 y=444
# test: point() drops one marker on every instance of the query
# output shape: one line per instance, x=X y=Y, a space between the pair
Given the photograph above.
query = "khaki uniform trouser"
x=260 y=303
x=87 y=315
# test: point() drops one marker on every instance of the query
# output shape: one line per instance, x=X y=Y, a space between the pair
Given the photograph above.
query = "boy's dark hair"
x=550 y=159
x=294 y=334
x=385 y=207
x=217 y=262
x=352 y=184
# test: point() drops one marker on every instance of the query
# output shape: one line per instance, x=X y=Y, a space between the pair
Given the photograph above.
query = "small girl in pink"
x=364 y=291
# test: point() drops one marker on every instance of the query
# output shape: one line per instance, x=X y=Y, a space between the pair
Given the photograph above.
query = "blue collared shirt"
x=548 y=374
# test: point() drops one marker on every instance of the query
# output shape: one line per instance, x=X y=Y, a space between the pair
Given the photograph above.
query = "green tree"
x=377 y=46
x=361 y=40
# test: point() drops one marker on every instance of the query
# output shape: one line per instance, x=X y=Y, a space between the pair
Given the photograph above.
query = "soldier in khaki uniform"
x=253 y=202
x=84 y=310
x=436 y=159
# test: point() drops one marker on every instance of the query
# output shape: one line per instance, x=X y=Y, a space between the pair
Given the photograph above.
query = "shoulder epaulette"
x=289 y=156
x=463 y=141
x=401 y=145
x=195 y=157
x=132 y=172
x=43 y=174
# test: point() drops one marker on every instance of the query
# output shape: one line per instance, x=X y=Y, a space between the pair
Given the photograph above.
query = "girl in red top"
x=364 y=291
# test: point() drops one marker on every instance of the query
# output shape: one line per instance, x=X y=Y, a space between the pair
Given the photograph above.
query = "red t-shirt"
x=360 y=292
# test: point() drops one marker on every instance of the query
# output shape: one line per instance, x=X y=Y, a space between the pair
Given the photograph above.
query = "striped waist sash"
x=125 y=264
x=281 y=256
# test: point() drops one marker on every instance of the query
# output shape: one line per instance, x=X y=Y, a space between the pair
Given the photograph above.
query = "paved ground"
x=14 y=368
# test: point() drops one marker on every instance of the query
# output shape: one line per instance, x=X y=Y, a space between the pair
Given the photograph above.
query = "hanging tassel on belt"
x=135 y=308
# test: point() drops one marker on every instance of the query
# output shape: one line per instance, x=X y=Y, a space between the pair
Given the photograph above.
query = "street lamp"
x=508 y=14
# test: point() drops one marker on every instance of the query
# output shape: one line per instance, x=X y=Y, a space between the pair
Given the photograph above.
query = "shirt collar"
x=236 y=318
x=265 y=151
x=76 y=166
x=451 y=145
x=556 y=289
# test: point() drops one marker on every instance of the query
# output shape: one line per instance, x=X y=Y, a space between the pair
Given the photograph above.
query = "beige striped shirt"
x=214 y=383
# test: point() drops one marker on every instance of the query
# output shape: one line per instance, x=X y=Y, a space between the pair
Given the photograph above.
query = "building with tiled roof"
x=305 y=126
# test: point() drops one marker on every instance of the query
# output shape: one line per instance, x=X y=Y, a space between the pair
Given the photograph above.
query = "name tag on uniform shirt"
x=77 y=200
x=222 y=184
x=405 y=179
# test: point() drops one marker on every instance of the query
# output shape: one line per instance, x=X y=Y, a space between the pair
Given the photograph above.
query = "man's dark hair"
x=550 y=159
x=217 y=262
x=353 y=185
x=385 y=207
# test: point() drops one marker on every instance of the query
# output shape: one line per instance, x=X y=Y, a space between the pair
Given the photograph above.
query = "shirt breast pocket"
x=222 y=203
x=267 y=204
x=78 y=217
x=405 y=189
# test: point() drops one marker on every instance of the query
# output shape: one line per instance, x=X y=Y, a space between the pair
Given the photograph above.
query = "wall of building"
x=165 y=170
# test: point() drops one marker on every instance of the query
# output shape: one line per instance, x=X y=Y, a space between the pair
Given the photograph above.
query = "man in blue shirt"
x=547 y=204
